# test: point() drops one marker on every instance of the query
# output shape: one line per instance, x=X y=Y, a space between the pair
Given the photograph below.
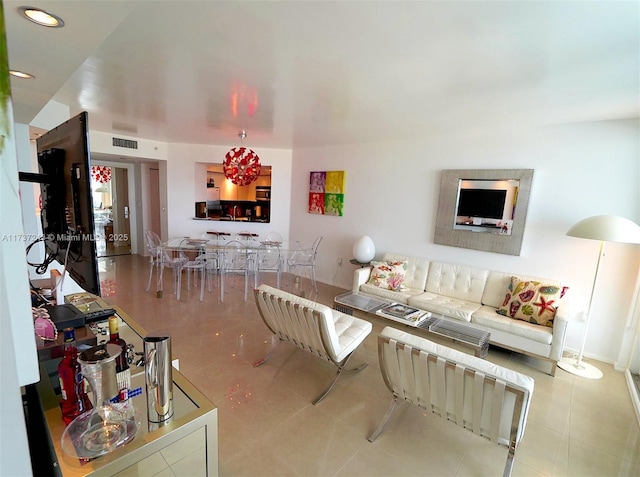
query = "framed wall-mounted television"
x=485 y=203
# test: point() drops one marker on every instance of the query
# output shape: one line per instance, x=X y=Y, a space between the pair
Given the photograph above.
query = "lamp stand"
x=575 y=365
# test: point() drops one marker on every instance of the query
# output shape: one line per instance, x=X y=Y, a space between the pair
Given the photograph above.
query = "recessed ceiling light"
x=21 y=74
x=41 y=17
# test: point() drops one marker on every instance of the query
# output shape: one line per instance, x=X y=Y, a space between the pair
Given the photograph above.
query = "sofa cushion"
x=392 y=296
x=417 y=268
x=486 y=316
x=444 y=305
x=532 y=301
x=388 y=274
x=346 y=335
x=456 y=281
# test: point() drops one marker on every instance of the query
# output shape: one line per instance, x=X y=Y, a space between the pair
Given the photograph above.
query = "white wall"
x=580 y=170
x=181 y=164
x=17 y=344
x=102 y=143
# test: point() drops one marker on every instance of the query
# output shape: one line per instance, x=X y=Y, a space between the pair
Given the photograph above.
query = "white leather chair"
x=487 y=399
x=326 y=333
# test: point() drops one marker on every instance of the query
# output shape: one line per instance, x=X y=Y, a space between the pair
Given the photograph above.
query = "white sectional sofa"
x=472 y=295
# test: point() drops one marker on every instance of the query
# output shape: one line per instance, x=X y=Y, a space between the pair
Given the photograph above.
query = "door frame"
x=133 y=216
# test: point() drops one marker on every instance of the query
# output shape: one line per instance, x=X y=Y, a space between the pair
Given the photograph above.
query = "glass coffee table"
x=466 y=335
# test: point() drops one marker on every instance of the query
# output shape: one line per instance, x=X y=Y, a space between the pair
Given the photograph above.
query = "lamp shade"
x=364 y=250
x=609 y=228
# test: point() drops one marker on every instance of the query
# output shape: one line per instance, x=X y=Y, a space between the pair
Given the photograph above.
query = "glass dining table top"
x=248 y=243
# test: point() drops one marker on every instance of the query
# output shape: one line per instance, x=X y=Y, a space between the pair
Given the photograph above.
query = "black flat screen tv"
x=485 y=203
x=67 y=204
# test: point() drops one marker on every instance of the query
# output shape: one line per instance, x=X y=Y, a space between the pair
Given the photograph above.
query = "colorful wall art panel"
x=326 y=192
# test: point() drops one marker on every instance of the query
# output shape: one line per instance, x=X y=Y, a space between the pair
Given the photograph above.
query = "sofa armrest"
x=360 y=277
x=560 y=323
x=563 y=311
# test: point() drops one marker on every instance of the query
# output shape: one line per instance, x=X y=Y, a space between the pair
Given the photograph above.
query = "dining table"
x=219 y=243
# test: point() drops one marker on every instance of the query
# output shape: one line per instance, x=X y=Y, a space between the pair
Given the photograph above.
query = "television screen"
x=485 y=203
x=67 y=204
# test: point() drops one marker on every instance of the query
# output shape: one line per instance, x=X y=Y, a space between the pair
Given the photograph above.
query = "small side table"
x=353 y=261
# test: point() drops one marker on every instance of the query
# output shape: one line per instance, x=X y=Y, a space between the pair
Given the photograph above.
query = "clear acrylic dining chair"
x=305 y=259
x=212 y=257
x=273 y=238
x=246 y=236
x=237 y=258
x=154 y=247
x=192 y=266
x=168 y=260
x=269 y=258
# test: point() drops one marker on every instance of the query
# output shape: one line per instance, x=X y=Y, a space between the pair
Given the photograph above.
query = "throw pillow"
x=532 y=301
x=389 y=274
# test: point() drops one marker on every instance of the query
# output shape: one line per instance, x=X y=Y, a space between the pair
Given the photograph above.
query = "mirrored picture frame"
x=447 y=233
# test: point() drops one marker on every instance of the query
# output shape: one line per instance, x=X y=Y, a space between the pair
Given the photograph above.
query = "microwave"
x=263 y=193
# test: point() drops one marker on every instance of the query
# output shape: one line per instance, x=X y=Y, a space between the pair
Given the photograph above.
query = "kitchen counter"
x=223 y=219
x=238 y=219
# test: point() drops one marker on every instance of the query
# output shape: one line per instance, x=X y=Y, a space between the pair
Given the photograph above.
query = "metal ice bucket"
x=158 y=378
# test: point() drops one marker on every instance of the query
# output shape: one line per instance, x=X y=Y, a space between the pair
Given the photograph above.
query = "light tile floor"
x=268 y=427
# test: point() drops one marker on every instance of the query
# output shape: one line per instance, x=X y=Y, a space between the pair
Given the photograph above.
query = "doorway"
x=111 y=212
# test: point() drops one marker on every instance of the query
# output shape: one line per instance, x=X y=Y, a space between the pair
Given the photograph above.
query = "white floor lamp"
x=606 y=228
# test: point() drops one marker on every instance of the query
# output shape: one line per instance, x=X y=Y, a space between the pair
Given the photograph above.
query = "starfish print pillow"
x=532 y=301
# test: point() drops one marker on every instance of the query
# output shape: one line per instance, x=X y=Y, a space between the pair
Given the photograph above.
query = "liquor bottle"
x=122 y=366
x=74 y=400
x=114 y=337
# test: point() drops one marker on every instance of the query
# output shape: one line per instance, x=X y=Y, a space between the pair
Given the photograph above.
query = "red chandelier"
x=101 y=174
x=241 y=165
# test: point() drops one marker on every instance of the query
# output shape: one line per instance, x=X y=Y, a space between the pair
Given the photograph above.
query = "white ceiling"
x=296 y=74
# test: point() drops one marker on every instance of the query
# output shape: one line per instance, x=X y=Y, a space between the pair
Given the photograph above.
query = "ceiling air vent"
x=129 y=144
